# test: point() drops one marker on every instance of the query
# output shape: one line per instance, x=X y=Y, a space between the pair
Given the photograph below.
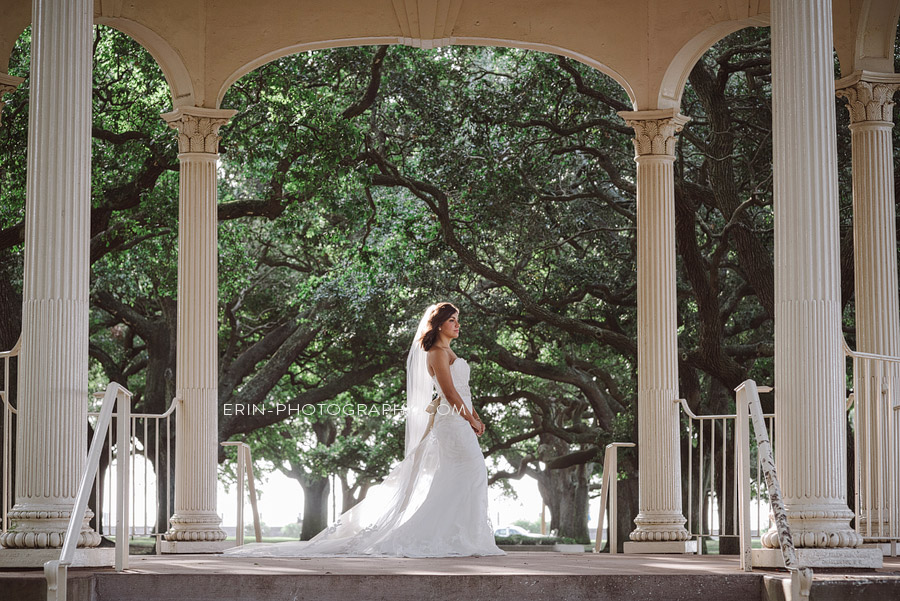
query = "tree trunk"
x=627 y=502
x=315 y=506
x=565 y=492
x=10 y=302
x=573 y=508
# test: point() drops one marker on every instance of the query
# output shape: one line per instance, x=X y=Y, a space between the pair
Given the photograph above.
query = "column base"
x=867 y=556
x=103 y=557
x=44 y=527
x=197 y=527
x=680 y=546
x=185 y=547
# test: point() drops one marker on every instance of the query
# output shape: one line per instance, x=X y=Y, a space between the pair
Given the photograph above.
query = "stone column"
x=810 y=434
x=869 y=99
x=196 y=379
x=51 y=438
x=660 y=522
x=8 y=84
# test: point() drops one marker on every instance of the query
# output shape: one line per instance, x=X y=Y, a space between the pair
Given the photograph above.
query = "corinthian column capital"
x=198 y=127
x=9 y=83
x=869 y=96
x=654 y=131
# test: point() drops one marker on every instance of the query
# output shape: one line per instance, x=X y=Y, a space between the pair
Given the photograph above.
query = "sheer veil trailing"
x=419 y=387
x=432 y=504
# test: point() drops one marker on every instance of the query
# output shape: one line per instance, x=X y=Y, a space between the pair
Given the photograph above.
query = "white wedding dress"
x=434 y=503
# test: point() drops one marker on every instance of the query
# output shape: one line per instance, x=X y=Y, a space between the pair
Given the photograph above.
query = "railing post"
x=251 y=489
x=123 y=477
x=244 y=469
x=609 y=492
x=801 y=577
x=55 y=570
x=742 y=453
x=239 y=532
x=56 y=574
x=613 y=506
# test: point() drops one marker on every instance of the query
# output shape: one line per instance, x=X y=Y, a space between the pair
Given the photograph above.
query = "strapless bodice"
x=459 y=373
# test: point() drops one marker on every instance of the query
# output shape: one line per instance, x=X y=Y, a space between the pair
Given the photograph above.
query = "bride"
x=434 y=502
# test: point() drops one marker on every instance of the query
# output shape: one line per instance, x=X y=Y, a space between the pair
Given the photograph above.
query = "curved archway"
x=875 y=35
x=466 y=41
x=672 y=86
x=169 y=61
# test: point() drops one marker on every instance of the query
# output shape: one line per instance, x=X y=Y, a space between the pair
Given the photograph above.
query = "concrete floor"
x=518 y=576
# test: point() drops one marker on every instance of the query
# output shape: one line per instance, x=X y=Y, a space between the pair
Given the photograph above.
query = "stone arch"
x=462 y=41
x=875 y=36
x=675 y=78
x=169 y=61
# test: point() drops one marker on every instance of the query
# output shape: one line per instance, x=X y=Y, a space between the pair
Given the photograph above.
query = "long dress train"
x=434 y=503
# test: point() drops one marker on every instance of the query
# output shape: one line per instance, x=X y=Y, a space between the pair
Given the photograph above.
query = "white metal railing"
x=55 y=570
x=157 y=432
x=875 y=402
x=9 y=415
x=244 y=470
x=152 y=426
x=609 y=492
x=716 y=508
x=749 y=408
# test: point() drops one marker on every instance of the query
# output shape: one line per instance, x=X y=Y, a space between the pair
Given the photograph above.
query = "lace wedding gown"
x=434 y=503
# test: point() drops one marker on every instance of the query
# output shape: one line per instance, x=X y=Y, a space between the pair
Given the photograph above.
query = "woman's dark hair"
x=442 y=313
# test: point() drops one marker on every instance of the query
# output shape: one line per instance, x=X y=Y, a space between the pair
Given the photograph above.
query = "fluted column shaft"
x=196 y=378
x=51 y=439
x=877 y=309
x=810 y=435
x=660 y=515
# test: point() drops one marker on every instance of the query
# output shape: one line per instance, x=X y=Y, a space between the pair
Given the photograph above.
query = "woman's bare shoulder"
x=438 y=356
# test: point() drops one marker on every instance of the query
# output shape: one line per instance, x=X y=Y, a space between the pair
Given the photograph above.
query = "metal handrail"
x=147 y=417
x=721 y=500
x=56 y=570
x=8 y=412
x=750 y=409
x=244 y=468
x=876 y=470
x=608 y=491
x=861 y=355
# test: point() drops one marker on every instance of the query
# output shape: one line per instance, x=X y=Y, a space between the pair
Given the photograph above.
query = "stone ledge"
x=887 y=549
x=102 y=557
x=865 y=557
x=190 y=547
x=528 y=548
x=685 y=546
x=566 y=548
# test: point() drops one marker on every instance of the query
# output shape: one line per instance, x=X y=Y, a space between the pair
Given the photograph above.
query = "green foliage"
x=534 y=526
x=250 y=530
x=292 y=530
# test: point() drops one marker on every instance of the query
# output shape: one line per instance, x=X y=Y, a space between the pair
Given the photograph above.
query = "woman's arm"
x=439 y=361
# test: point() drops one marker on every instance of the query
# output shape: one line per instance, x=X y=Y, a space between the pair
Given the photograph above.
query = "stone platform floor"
x=517 y=576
